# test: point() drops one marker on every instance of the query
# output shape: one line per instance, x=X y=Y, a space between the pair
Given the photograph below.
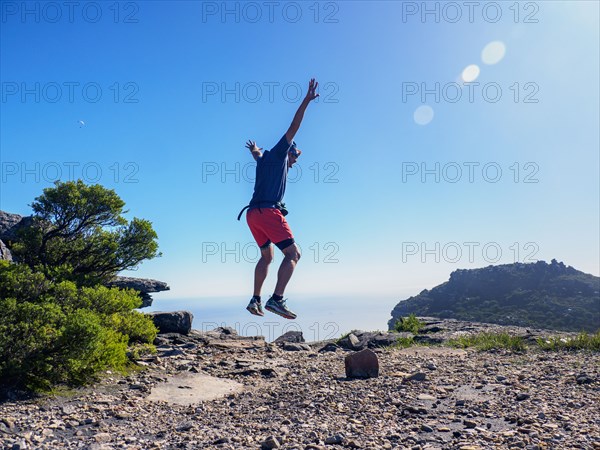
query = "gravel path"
x=302 y=400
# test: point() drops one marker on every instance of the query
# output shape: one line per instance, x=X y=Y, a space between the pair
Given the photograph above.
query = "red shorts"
x=268 y=225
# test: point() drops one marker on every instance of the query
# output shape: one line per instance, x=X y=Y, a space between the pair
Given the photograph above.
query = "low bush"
x=409 y=324
x=583 y=341
x=53 y=333
x=489 y=341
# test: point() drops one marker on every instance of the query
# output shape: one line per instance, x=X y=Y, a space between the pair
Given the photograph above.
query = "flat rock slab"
x=235 y=345
x=190 y=388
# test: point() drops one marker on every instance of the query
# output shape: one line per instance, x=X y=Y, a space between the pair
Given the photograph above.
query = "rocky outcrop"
x=173 y=322
x=5 y=252
x=145 y=286
x=539 y=295
x=435 y=332
x=10 y=224
x=359 y=340
x=290 y=336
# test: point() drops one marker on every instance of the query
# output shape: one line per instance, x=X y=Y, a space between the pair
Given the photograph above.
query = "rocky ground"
x=296 y=396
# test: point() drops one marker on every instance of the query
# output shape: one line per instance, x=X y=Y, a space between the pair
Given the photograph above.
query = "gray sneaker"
x=255 y=307
x=278 y=307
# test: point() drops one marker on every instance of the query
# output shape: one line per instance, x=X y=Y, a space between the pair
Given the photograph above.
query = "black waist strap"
x=242 y=211
x=280 y=206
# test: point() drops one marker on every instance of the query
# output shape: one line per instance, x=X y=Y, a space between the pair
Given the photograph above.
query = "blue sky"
x=147 y=83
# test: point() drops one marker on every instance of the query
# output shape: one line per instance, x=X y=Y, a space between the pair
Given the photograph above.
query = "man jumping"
x=266 y=213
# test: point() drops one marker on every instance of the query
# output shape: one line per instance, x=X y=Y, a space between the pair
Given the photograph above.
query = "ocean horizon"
x=319 y=318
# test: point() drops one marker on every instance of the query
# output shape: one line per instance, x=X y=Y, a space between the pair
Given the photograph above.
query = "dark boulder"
x=363 y=364
x=173 y=322
x=290 y=336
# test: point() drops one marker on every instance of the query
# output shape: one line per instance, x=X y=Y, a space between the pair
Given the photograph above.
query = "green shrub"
x=583 y=341
x=137 y=351
x=409 y=324
x=403 y=342
x=54 y=333
x=489 y=341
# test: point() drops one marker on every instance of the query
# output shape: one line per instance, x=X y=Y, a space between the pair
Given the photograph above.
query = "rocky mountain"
x=10 y=224
x=542 y=295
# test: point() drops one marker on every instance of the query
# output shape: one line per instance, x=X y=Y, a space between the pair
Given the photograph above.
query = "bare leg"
x=262 y=268
x=291 y=256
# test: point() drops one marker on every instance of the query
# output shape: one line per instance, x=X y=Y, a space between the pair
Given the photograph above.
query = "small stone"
x=583 y=378
x=102 y=437
x=19 y=445
x=335 y=439
x=185 y=426
x=98 y=446
x=418 y=376
x=330 y=347
x=269 y=443
x=469 y=423
x=8 y=421
x=522 y=396
x=268 y=372
x=426 y=428
x=353 y=341
x=68 y=409
x=313 y=435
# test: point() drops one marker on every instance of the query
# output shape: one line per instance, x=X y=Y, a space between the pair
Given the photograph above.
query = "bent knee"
x=267 y=259
x=295 y=257
x=293 y=253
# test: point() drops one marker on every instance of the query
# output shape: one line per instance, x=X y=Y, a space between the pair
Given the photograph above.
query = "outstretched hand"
x=311 y=94
x=251 y=145
x=254 y=149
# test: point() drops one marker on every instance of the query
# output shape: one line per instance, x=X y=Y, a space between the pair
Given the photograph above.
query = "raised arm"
x=311 y=94
x=254 y=149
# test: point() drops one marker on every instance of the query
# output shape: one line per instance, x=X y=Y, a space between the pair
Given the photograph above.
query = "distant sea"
x=318 y=318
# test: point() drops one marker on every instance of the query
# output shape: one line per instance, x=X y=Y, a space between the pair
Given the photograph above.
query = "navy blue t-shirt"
x=271 y=175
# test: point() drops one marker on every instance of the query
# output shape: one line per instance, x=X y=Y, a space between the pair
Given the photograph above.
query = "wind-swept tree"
x=78 y=233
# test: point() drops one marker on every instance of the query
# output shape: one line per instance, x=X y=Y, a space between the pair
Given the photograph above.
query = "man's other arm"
x=310 y=96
